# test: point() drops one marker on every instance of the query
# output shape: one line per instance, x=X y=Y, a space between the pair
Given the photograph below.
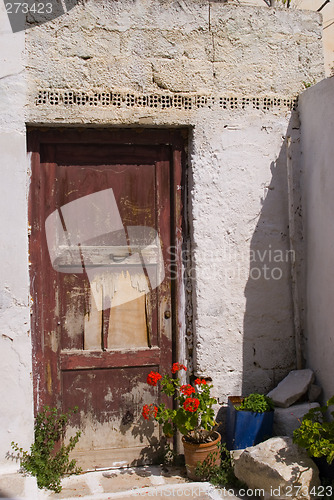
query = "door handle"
x=167 y=314
x=117 y=258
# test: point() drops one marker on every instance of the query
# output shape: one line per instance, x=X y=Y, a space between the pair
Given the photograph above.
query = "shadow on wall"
x=269 y=341
x=3 y=495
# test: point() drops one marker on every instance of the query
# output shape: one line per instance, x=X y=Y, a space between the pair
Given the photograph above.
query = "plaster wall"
x=317 y=115
x=230 y=75
x=16 y=416
x=244 y=321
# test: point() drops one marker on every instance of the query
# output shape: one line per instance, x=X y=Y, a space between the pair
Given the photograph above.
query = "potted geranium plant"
x=249 y=420
x=192 y=415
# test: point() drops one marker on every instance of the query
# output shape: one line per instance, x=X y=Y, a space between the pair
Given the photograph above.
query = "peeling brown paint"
x=49 y=378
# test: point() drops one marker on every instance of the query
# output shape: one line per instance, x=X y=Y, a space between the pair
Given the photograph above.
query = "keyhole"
x=128 y=418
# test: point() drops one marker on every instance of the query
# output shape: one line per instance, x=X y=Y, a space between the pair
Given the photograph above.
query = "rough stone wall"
x=230 y=74
x=328 y=27
x=178 y=47
x=16 y=416
x=317 y=113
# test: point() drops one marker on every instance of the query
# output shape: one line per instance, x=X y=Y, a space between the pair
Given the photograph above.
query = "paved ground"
x=139 y=482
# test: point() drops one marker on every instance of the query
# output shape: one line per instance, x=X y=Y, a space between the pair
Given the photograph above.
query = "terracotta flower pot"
x=197 y=453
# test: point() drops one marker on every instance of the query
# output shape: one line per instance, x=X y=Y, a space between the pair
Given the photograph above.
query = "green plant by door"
x=48 y=465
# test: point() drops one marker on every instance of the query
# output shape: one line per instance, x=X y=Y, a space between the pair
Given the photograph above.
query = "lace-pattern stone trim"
x=161 y=101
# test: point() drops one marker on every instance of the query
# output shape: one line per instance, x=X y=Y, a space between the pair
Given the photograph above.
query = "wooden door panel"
x=110 y=402
x=99 y=324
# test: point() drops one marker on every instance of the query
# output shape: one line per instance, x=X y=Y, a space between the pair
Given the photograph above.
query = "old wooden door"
x=105 y=212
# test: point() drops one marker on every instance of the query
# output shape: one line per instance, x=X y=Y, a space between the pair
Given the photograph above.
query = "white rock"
x=278 y=468
x=286 y=420
x=292 y=387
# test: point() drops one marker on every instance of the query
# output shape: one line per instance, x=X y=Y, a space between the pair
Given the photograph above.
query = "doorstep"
x=138 y=482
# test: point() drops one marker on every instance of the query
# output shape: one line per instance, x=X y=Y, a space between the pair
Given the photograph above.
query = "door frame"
x=176 y=140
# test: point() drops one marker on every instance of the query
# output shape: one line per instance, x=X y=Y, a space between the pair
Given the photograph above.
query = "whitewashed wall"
x=16 y=415
x=317 y=115
x=230 y=74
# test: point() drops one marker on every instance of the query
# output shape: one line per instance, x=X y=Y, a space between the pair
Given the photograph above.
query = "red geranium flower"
x=153 y=377
x=146 y=412
x=177 y=366
x=187 y=390
x=198 y=381
x=149 y=411
x=191 y=404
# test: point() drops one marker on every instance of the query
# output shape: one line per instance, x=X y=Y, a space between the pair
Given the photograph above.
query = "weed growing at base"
x=218 y=475
x=48 y=465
